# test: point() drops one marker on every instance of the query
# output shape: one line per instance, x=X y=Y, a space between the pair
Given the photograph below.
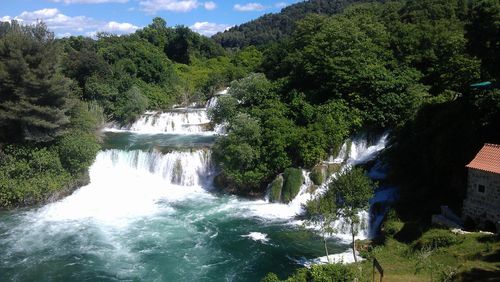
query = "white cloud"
x=207 y=28
x=249 y=7
x=39 y=14
x=89 y=1
x=64 y=25
x=119 y=27
x=281 y=5
x=154 y=6
x=210 y=5
x=5 y=19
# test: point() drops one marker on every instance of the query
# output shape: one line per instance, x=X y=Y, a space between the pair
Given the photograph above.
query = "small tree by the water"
x=347 y=196
x=322 y=212
x=352 y=191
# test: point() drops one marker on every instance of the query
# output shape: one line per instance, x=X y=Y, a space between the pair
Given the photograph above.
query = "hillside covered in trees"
x=274 y=27
x=403 y=66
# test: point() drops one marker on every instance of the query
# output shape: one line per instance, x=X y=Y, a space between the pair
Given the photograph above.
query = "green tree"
x=34 y=96
x=322 y=212
x=130 y=105
x=346 y=197
x=224 y=111
x=352 y=190
x=483 y=34
x=252 y=90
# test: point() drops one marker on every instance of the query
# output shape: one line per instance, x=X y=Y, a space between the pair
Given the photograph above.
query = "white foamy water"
x=257 y=236
x=126 y=185
x=186 y=121
x=345 y=258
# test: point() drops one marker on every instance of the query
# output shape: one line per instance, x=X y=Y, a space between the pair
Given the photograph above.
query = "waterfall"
x=127 y=185
x=183 y=121
x=178 y=167
x=359 y=152
x=212 y=102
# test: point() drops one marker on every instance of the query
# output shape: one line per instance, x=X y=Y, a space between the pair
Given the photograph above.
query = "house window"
x=480 y=188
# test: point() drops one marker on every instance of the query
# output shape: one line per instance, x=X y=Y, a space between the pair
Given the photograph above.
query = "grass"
x=472 y=257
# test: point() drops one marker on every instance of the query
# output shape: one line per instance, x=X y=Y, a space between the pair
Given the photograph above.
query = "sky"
x=87 y=17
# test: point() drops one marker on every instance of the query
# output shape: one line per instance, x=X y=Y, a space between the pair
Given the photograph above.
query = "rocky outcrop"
x=275 y=189
x=286 y=186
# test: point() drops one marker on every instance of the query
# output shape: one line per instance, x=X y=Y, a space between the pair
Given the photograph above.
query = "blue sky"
x=86 y=17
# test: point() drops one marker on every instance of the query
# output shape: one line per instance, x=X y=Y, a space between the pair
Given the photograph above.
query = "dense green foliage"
x=274 y=27
x=430 y=153
x=154 y=68
x=317 y=273
x=266 y=135
x=47 y=136
x=406 y=66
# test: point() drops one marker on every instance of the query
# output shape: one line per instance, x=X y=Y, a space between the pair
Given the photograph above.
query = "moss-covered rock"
x=318 y=174
x=332 y=168
x=292 y=180
x=276 y=189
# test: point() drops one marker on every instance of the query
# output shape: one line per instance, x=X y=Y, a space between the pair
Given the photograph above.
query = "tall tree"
x=34 y=96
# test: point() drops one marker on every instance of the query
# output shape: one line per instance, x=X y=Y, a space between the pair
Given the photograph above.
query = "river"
x=150 y=213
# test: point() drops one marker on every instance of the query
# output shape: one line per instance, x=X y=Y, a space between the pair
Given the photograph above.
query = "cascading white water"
x=178 y=167
x=186 y=121
x=189 y=120
x=130 y=184
x=212 y=102
x=359 y=152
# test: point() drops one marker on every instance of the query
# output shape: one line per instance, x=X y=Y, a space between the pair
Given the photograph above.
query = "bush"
x=293 y=179
x=434 y=239
x=28 y=174
x=317 y=176
x=318 y=273
x=77 y=151
x=276 y=189
x=270 y=277
x=392 y=227
x=331 y=272
x=392 y=224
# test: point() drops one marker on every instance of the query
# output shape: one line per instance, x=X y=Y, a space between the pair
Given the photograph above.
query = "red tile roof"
x=488 y=159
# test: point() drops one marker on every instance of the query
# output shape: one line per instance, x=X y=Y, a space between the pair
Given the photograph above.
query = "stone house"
x=482 y=204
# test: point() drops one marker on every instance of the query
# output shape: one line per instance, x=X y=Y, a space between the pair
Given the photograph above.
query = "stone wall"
x=482 y=206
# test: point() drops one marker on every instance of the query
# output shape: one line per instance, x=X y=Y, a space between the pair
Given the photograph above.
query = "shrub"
x=434 y=239
x=318 y=273
x=392 y=224
x=77 y=151
x=331 y=272
x=392 y=227
x=270 y=277
x=292 y=180
x=28 y=174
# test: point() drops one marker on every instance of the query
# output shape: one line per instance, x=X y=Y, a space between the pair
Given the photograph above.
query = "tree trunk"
x=353 y=243
x=326 y=249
